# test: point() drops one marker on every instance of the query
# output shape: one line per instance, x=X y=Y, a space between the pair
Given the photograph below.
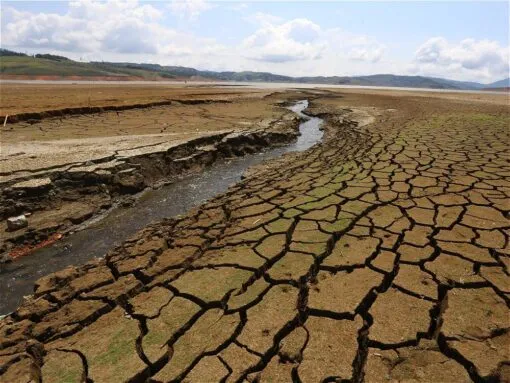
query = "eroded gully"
x=17 y=279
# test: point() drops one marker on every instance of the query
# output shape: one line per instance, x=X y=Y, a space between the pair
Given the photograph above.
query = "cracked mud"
x=381 y=254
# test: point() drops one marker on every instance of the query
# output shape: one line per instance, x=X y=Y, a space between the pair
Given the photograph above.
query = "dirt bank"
x=59 y=199
x=35 y=117
x=63 y=182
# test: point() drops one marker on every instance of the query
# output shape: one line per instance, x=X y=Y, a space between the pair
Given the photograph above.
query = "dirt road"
x=381 y=254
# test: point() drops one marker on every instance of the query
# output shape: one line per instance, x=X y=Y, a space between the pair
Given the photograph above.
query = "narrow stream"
x=17 y=278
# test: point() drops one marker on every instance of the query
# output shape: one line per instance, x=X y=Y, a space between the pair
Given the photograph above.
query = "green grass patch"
x=32 y=66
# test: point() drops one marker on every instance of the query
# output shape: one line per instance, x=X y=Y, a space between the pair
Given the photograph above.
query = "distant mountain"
x=389 y=80
x=47 y=65
x=459 y=84
x=499 y=84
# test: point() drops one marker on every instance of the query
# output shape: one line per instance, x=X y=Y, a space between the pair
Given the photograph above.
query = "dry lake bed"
x=363 y=235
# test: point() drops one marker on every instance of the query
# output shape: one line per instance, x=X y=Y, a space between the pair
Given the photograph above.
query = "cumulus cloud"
x=470 y=58
x=131 y=30
x=294 y=40
x=302 y=41
x=371 y=54
x=263 y=19
x=122 y=27
x=354 y=47
x=189 y=9
x=98 y=29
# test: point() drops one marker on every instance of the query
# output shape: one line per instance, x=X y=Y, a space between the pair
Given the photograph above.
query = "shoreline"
x=247 y=84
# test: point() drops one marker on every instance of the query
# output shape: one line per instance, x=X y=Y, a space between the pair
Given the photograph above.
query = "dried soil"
x=404 y=225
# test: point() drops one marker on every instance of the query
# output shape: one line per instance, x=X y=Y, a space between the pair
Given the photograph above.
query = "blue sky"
x=459 y=40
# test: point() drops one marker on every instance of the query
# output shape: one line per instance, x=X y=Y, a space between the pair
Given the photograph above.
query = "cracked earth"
x=381 y=254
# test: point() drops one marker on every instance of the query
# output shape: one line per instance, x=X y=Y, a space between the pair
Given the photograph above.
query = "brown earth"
x=381 y=254
x=122 y=78
x=24 y=98
x=503 y=89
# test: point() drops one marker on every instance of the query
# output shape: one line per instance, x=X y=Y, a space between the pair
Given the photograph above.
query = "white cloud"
x=358 y=49
x=371 y=54
x=189 y=9
x=239 y=7
x=469 y=59
x=123 y=27
x=101 y=30
x=263 y=19
x=278 y=41
x=137 y=32
x=295 y=40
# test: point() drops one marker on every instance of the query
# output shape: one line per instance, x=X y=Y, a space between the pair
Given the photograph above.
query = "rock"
x=130 y=180
x=34 y=183
x=79 y=212
x=16 y=223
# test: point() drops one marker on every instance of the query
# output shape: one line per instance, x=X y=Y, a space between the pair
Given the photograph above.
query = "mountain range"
x=20 y=65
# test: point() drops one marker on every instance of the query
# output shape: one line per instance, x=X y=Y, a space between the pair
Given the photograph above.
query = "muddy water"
x=17 y=279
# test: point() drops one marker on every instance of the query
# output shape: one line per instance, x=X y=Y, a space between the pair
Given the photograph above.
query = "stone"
x=35 y=183
x=16 y=223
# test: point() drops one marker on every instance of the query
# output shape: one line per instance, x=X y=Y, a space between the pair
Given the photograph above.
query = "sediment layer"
x=93 y=186
x=61 y=180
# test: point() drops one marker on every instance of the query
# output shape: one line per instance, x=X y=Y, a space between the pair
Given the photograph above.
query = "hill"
x=13 y=64
x=500 y=84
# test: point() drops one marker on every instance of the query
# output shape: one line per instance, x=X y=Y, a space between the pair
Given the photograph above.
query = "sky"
x=459 y=40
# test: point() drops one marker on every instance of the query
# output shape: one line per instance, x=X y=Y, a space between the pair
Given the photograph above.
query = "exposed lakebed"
x=17 y=278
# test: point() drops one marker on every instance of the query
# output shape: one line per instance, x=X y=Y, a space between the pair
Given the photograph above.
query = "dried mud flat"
x=381 y=254
x=39 y=98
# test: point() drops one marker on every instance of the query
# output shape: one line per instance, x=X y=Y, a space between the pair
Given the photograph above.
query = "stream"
x=17 y=278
